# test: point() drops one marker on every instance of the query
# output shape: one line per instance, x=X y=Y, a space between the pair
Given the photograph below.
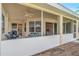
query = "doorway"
x=49 y=28
x=18 y=27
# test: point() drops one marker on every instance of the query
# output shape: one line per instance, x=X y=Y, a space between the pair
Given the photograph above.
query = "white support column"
x=77 y=29
x=27 y=26
x=6 y=23
x=6 y=20
x=61 y=29
x=42 y=22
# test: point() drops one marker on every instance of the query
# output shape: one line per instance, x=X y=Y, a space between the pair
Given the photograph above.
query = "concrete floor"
x=69 y=49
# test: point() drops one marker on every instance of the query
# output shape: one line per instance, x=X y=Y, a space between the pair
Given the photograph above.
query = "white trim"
x=63 y=8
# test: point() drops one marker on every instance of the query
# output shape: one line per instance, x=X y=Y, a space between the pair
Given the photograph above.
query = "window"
x=64 y=28
x=25 y=27
x=35 y=27
x=14 y=26
x=38 y=26
x=74 y=28
x=31 y=26
x=55 y=28
x=3 y=24
x=67 y=28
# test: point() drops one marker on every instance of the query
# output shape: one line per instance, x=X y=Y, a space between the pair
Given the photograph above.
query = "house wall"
x=39 y=19
x=27 y=23
x=19 y=17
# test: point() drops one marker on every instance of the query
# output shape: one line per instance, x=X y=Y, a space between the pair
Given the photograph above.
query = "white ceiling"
x=17 y=11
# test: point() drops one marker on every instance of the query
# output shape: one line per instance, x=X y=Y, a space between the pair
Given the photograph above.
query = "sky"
x=72 y=6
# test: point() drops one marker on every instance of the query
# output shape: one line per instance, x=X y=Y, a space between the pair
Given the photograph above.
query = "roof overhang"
x=63 y=8
x=53 y=8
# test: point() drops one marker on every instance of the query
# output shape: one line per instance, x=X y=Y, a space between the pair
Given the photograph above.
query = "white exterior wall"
x=28 y=46
x=68 y=38
x=31 y=46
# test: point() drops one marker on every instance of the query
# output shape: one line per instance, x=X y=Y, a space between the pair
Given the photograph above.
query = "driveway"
x=68 y=49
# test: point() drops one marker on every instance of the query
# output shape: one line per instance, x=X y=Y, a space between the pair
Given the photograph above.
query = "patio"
x=69 y=49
